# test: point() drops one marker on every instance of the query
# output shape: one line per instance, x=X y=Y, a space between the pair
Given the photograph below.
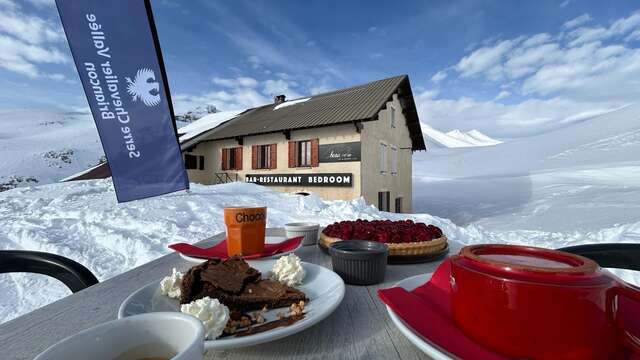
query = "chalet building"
x=340 y=145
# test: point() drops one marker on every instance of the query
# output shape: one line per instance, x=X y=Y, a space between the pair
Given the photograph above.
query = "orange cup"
x=245 y=229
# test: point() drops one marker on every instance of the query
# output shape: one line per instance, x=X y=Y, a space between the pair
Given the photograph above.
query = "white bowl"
x=166 y=335
x=310 y=231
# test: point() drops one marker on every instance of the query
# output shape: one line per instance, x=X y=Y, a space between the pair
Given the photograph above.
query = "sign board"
x=307 y=180
x=117 y=54
x=339 y=152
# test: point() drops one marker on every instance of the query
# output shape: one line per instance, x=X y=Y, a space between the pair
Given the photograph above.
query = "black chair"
x=75 y=276
x=620 y=256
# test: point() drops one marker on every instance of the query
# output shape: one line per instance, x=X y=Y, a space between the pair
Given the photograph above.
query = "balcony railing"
x=222 y=178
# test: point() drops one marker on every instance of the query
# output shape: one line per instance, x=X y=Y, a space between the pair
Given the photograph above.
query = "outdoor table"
x=359 y=328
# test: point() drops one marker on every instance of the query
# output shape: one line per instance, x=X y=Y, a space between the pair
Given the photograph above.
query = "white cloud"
x=580 y=20
x=507 y=121
x=634 y=36
x=239 y=93
x=484 y=59
x=21 y=57
x=577 y=72
x=565 y=3
x=375 y=56
x=503 y=94
x=439 y=76
x=27 y=41
x=241 y=81
x=280 y=86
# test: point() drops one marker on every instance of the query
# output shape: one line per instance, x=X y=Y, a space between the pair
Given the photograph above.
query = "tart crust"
x=401 y=249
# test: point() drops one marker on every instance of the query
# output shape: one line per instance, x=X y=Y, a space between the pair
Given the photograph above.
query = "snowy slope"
x=43 y=146
x=584 y=177
x=81 y=220
x=455 y=138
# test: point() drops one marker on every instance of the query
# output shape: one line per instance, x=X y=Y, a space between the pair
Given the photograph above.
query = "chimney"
x=278 y=99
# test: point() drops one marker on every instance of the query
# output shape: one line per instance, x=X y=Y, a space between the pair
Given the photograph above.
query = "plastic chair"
x=75 y=276
x=614 y=255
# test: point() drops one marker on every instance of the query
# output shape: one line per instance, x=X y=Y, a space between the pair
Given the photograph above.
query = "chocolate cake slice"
x=236 y=285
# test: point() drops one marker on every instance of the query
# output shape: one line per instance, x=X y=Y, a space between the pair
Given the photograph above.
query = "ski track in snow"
x=82 y=221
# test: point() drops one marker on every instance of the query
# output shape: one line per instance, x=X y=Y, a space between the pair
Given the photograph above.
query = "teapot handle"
x=633 y=293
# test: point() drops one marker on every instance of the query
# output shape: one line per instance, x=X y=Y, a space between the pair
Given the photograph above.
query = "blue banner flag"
x=117 y=54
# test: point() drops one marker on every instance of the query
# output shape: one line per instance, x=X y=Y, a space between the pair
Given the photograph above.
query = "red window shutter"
x=223 y=166
x=254 y=156
x=314 y=152
x=239 y=158
x=292 y=154
x=274 y=156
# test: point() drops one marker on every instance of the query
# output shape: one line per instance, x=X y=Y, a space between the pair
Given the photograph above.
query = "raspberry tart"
x=403 y=237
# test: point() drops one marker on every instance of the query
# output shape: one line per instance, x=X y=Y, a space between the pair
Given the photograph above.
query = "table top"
x=359 y=328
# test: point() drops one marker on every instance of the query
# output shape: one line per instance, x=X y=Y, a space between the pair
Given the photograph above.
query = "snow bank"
x=292 y=102
x=81 y=220
x=206 y=123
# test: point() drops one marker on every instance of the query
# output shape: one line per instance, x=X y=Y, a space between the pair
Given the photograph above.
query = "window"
x=394 y=160
x=383 y=158
x=399 y=204
x=303 y=153
x=383 y=200
x=190 y=161
x=392 y=115
x=264 y=156
x=232 y=158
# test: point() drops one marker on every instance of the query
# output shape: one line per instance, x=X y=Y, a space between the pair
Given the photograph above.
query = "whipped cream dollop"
x=288 y=270
x=211 y=312
x=170 y=285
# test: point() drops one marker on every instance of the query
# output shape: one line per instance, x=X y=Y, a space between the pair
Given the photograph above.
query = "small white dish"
x=324 y=288
x=162 y=335
x=267 y=240
x=432 y=350
x=310 y=231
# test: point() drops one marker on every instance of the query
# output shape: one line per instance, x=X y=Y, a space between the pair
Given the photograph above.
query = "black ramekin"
x=359 y=262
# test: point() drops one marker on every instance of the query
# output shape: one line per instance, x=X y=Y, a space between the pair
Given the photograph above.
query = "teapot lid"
x=529 y=263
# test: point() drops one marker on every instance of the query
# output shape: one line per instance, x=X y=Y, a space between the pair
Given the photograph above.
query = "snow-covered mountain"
x=44 y=146
x=456 y=138
x=196 y=113
x=582 y=177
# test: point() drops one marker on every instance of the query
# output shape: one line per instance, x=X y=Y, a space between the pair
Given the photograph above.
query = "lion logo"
x=144 y=87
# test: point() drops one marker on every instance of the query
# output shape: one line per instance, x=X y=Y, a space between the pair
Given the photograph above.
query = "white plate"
x=324 y=288
x=267 y=240
x=416 y=339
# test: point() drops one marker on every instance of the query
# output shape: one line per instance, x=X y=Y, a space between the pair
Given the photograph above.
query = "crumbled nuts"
x=296 y=309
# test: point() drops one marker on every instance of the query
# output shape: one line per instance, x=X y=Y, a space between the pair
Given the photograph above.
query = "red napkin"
x=427 y=310
x=219 y=250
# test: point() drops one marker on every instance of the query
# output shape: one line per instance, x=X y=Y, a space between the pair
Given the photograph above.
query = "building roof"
x=354 y=104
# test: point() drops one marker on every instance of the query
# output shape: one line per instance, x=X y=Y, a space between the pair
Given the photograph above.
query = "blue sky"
x=508 y=68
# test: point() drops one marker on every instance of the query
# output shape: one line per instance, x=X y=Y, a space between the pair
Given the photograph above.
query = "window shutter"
x=292 y=154
x=239 y=158
x=201 y=157
x=254 y=156
x=223 y=165
x=314 y=152
x=274 y=156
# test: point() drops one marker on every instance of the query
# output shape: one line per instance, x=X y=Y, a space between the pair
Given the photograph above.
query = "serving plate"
x=432 y=350
x=324 y=288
